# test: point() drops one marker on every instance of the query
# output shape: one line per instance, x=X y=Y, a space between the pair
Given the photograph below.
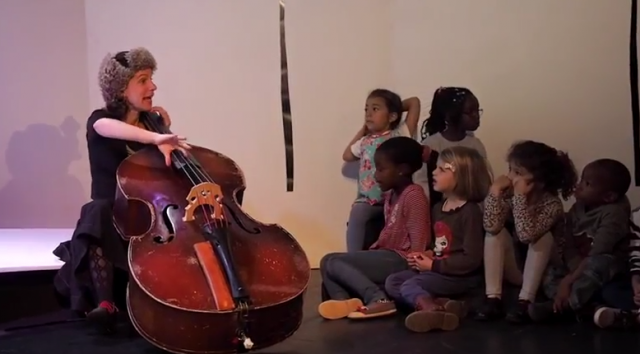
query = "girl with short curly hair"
x=529 y=196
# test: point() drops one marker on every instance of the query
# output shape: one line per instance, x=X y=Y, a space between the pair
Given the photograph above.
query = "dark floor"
x=319 y=336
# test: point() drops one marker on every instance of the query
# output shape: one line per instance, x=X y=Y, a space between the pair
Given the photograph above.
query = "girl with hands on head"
x=382 y=121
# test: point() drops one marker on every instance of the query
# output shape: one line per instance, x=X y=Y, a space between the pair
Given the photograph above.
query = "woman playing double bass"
x=96 y=250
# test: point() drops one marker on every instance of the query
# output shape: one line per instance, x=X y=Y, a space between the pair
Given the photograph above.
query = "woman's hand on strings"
x=170 y=142
x=171 y=139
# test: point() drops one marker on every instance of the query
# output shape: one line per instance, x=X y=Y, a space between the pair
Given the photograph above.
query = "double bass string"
x=191 y=164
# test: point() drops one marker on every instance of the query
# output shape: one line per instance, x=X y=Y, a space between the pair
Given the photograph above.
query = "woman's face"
x=140 y=90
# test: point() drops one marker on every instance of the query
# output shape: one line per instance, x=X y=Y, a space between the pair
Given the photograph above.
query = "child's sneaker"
x=425 y=321
x=337 y=309
x=607 y=317
x=458 y=308
x=376 y=309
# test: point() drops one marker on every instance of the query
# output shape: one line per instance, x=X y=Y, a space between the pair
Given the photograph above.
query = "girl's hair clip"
x=449 y=166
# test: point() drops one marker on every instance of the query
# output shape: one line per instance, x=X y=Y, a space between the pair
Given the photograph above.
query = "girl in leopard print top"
x=528 y=198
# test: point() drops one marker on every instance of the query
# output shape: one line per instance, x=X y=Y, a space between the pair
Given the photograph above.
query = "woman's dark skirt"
x=73 y=281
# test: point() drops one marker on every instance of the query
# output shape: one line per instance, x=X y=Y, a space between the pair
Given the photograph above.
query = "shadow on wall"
x=41 y=192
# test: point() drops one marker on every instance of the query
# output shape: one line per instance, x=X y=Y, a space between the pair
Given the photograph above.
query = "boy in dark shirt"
x=594 y=247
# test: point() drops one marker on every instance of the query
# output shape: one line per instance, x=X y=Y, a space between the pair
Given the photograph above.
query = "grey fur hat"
x=116 y=71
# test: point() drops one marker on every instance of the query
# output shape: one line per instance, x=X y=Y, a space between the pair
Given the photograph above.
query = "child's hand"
x=635 y=282
x=522 y=186
x=501 y=184
x=561 y=300
x=420 y=262
x=364 y=130
x=428 y=253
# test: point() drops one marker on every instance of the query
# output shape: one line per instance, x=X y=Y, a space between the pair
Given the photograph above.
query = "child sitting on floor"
x=406 y=230
x=454 y=265
x=528 y=195
x=595 y=241
x=382 y=120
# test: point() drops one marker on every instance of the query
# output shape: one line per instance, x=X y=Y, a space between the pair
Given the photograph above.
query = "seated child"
x=406 y=230
x=528 y=195
x=455 y=112
x=383 y=114
x=595 y=241
x=454 y=265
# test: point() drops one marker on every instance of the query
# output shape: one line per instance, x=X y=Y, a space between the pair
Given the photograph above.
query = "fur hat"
x=117 y=70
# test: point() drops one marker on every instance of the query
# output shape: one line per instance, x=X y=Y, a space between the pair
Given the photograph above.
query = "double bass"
x=205 y=277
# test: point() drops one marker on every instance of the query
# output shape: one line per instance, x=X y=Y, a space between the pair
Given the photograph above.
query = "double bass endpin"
x=246 y=342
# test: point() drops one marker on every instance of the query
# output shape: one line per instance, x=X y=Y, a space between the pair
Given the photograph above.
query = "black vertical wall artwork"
x=286 y=105
x=633 y=75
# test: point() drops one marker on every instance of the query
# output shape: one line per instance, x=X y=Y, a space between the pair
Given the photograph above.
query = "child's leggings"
x=500 y=262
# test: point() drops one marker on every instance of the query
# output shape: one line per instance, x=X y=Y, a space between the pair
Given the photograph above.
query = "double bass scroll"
x=223 y=282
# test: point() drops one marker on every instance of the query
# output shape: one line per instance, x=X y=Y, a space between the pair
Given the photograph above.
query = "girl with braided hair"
x=96 y=251
x=455 y=113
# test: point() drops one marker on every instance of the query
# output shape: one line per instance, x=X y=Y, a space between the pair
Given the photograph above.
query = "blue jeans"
x=619 y=294
x=360 y=214
x=407 y=286
x=360 y=274
x=599 y=271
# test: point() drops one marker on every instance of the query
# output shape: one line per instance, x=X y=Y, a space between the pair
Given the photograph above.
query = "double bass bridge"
x=201 y=195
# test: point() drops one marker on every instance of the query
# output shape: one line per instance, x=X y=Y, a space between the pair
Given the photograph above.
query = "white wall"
x=546 y=70
x=44 y=102
x=554 y=71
